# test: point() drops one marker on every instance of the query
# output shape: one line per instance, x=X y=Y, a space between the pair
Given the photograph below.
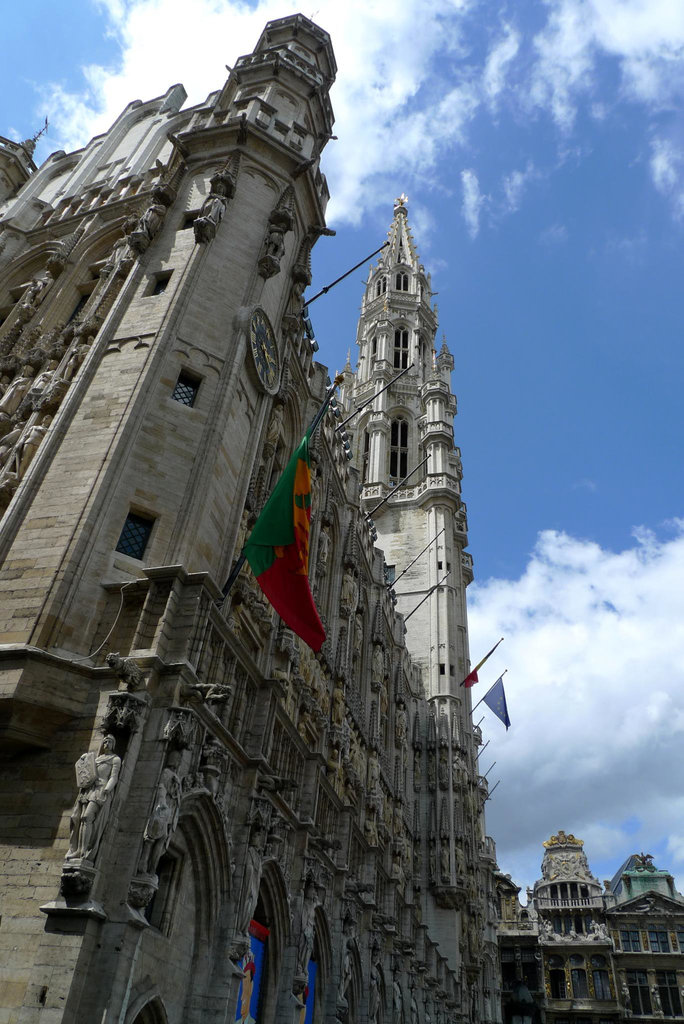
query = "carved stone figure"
x=415 y=1016
x=275 y=425
x=97 y=778
x=34 y=294
x=397 y=1002
x=655 y=998
x=127 y=671
x=121 y=258
x=147 y=227
x=444 y=861
x=221 y=189
x=164 y=818
x=626 y=998
x=374 y=993
x=10 y=401
x=338 y=706
x=346 y=973
x=443 y=768
x=378 y=666
x=23 y=452
x=251 y=879
x=307 y=932
x=348 y=596
x=400 y=723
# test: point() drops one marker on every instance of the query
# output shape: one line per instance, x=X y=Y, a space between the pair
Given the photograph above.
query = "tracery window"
x=380 y=286
x=398 y=449
x=402 y=282
x=401 y=349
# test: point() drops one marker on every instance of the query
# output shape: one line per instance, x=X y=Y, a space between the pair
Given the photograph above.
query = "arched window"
x=399 y=449
x=374 y=347
x=401 y=349
x=402 y=282
x=380 y=286
x=366 y=456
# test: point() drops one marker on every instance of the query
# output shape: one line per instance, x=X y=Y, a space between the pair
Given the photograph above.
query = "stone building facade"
x=589 y=954
x=251 y=831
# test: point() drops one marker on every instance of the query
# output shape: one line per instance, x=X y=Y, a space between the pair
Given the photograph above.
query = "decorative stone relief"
x=249 y=893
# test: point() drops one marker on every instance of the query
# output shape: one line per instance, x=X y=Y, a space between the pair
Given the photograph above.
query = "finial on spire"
x=400 y=202
x=42 y=131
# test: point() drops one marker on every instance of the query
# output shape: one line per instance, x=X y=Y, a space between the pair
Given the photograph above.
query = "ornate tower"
x=411 y=490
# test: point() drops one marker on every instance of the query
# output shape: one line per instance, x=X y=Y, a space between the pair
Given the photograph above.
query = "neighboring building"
x=252 y=832
x=605 y=954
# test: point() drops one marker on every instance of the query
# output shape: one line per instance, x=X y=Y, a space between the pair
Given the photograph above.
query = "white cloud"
x=515 y=183
x=399 y=99
x=473 y=201
x=500 y=56
x=594 y=645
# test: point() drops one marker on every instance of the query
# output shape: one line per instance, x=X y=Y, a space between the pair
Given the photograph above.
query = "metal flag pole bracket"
x=375 y=395
x=369 y=515
x=429 y=593
x=413 y=560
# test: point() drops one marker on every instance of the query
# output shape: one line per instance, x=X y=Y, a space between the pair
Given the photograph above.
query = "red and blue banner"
x=252 y=964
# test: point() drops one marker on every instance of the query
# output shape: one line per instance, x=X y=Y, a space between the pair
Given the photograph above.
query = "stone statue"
x=323 y=548
x=33 y=296
x=445 y=861
x=443 y=768
x=415 y=1016
x=397 y=1002
x=97 y=778
x=655 y=998
x=26 y=448
x=307 y=931
x=626 y=998
x=374 y=993
x=348 y=595
x=221 y=189
x=147 y=227
x=164 y=818
x=10 y=401
x=346 y=973
x=378 y=666
x=400 y=723
x=358 y=635
x=126 y=670
x=251 y=879
x=338 y=712
x=275 y=425
x=120 y=258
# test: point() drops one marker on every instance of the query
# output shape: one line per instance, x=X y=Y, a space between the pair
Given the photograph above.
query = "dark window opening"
x=159 y=911
x=669 y=993
x=557 y=980
x=159 y=283
x=629 y=940
x=366 y=455
x=398 y=449
x=442 y=668
x=391 y=573
x=189 y=219
x=637 y=983
x=580 y=989
x=78 y=307
x=601 y=985
x=374 y=347
x=135 y=535
x=402 y=282
x=401 y=349
x=439 y=565
x=186 y=389
x=659 y=941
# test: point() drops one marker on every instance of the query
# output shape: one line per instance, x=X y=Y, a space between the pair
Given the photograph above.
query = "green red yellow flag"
x=278 y=549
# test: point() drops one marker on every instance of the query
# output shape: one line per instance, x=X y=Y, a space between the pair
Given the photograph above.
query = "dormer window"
x=401 y=349
x=402 y=282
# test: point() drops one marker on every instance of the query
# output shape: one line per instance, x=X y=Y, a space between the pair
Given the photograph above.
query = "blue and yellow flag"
x=495 y=699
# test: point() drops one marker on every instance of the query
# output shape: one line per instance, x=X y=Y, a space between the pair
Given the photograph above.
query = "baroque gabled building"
x=588 y=954
x=200 y=819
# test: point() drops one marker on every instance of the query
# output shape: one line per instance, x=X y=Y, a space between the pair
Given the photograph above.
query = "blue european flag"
x=495 y=699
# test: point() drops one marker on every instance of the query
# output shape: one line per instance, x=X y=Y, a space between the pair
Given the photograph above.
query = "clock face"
x=264 y=351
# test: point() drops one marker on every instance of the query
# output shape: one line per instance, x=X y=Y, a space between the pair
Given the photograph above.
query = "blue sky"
x=542 y=148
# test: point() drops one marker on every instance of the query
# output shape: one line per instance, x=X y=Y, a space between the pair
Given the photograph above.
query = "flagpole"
x=489 y=797
x=488 y=691
x=396 y=488
x=374 y=396
x=430 y=591
x=327 y=288
x=235 y=572
x=394 y=583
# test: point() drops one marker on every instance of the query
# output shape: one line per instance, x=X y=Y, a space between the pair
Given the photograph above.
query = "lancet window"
x=398 y=449
x=402 y=282
x=401 y=349
x=380 y=286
